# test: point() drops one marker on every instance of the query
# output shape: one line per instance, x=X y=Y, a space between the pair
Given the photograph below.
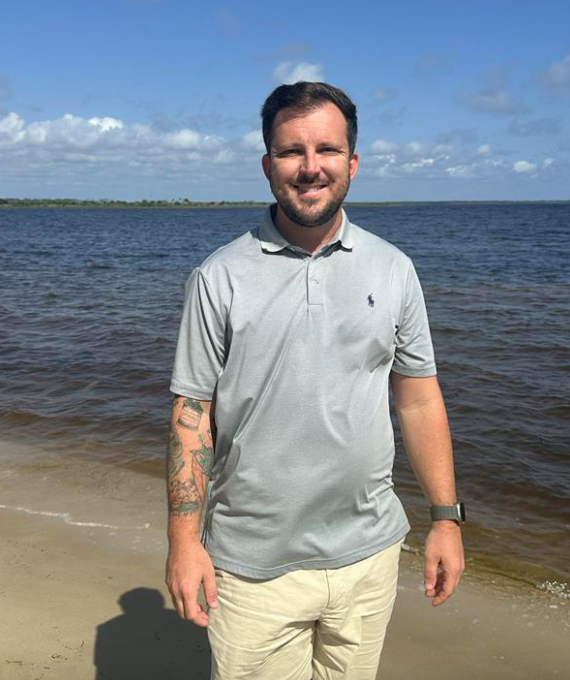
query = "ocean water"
x=89 y=311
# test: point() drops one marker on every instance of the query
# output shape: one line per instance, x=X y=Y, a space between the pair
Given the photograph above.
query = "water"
x=89 y=314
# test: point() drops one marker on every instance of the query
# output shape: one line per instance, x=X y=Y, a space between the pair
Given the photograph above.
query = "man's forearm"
x=423 y=421
x=189 y=464
x=427 y=439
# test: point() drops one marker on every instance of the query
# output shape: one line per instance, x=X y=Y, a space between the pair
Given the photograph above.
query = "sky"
x=160 y=99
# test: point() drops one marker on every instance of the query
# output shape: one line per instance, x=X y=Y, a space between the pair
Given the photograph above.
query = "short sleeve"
x=200 y=352
x=414 y=355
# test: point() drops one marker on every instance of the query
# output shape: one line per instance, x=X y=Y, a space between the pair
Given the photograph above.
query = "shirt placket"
x=315 y=282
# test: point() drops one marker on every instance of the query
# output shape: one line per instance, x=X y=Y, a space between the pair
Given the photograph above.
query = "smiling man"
x=291 y=336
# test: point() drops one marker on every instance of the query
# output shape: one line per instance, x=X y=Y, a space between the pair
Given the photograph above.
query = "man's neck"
x=311 y=239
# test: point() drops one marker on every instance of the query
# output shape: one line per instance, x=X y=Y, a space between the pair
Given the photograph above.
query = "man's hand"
x=187 y=568
x=444 y=549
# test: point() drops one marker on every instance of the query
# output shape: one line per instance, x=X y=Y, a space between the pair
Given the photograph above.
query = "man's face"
x=310 y=167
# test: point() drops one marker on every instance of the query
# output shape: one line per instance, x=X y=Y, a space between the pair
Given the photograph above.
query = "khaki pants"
x=324 y=624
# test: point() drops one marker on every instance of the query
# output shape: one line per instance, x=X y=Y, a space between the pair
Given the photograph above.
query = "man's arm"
x=425 y=430
x=189 y=464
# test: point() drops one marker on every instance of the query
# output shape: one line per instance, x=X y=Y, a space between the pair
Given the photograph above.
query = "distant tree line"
x=187 y=203
x=112 y=203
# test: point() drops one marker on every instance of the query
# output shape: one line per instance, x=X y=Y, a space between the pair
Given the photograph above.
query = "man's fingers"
x=192 y=608
x=445 y=588
x=200 y=618
x=185 y=601
x=430 y=574
x=184 y=578
x=436 y=589
x=443 y=553
x=210 y=590
x=178 y=605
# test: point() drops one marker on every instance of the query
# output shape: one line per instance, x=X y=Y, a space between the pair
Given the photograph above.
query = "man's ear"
x=353 y=165
x=266 y=165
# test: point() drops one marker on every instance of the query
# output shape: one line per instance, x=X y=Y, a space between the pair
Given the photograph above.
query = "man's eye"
x=329 y=150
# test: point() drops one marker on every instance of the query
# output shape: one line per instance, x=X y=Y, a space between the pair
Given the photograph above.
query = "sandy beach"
x=82 y=594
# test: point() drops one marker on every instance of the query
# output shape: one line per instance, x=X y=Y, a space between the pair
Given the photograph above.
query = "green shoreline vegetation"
x=186 y=203
x=115 y=203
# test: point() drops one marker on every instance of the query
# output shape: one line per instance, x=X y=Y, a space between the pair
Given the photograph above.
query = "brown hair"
x=304 y=96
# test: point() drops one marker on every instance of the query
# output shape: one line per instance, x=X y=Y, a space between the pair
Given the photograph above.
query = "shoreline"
x=224 y=205
x=82 y=576
x=515 y=573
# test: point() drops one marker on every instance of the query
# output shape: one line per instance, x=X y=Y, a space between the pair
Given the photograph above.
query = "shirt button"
x=314 y=282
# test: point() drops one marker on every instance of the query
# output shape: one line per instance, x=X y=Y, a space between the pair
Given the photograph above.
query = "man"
x=290 y=336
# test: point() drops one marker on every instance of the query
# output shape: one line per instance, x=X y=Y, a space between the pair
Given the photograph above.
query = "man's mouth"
x=309 y=189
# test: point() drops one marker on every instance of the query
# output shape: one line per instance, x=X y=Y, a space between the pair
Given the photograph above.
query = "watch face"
x=462 y=511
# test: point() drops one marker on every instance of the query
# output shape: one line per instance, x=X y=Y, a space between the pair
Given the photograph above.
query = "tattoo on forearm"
x=175 y=459
x=204 y=456
x=184 y=498
x=187 y=491
x=190 y=414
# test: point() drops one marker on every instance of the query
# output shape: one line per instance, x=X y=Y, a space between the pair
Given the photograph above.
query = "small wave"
x=67 y=518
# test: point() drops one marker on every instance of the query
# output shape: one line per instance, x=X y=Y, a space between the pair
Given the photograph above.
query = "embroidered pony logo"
x=370 y=300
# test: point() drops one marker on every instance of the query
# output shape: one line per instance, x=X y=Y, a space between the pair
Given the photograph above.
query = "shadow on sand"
x=149 y=642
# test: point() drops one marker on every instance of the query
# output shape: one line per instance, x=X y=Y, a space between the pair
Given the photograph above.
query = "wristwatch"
x=455 y=512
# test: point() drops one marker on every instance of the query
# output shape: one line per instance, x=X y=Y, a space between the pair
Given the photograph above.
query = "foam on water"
x=68 y=519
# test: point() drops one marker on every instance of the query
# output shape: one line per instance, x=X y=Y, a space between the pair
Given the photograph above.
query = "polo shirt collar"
x=273 y=241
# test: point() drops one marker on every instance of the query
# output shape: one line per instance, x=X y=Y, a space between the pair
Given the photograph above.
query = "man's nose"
x=311 y=163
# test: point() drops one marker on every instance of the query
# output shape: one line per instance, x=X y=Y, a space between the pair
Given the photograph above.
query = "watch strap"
x=455 y=512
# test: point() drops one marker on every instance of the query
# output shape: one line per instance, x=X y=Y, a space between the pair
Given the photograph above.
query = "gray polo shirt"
x=299 y=349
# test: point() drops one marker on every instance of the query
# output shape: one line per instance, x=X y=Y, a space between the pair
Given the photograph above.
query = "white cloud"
x=288 y=72
x=524 y=166
x=67 y=131
x=70 y=133
x=415 y=148
x=429 y=160
x=11 y=128
x=391 y=160
x=458 y=171
x=410 y=151
x=419 y=164
x=182 y=139
x=106 y=123
x=96 y=148
x=225 y=156
x=106 y=151
x=253 y=141
x=557 y=77
x=381 y=146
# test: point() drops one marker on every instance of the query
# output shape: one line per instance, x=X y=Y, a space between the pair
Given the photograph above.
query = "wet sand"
x=82 y=595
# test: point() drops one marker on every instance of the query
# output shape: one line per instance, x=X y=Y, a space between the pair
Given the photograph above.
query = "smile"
x=309 y=188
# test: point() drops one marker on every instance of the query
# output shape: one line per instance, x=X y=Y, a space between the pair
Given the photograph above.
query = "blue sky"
x=141 y=99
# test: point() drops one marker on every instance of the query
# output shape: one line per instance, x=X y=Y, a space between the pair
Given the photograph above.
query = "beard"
x=305 y=213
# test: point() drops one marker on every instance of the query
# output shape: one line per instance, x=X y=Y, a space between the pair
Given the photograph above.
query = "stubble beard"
x=303 y=216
